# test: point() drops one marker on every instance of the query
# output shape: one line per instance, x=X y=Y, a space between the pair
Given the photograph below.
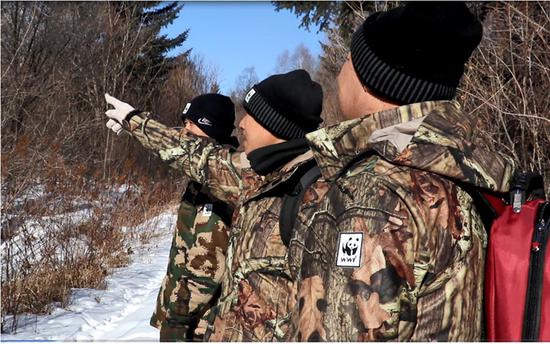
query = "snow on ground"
x=119 y=313
x=36 y=226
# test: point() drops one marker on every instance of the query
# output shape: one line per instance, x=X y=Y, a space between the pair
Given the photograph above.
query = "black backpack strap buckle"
x=525 y=186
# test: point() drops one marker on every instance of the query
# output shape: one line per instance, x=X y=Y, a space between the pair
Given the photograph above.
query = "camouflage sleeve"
x=213 y=165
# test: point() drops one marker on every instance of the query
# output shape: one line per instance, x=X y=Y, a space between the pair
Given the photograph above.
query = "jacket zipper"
x=533 y=302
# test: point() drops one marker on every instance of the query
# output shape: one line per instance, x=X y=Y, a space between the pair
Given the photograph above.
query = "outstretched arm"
x=213 y=165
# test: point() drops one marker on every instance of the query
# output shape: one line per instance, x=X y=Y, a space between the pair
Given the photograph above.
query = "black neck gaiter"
x=267 y=159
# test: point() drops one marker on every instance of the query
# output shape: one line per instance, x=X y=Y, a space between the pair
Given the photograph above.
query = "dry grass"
x=58 y=59
x=71 y=234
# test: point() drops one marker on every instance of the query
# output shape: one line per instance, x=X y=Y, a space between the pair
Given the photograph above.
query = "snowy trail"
x=121 y=312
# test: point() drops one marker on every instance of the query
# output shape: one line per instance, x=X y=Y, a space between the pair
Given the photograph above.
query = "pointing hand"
x=118 y=114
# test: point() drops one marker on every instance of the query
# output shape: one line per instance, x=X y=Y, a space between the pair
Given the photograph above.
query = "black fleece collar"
x=267 y=159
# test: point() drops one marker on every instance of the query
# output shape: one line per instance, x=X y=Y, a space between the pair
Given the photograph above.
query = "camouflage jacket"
x=195 y=266
x=257 y=290
x=395 y=249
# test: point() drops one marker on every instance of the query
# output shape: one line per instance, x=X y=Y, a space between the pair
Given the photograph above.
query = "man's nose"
x=242 y=122
x=187 y=125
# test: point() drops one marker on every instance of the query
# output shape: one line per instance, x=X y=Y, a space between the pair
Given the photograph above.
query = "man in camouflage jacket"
x=257 y=291
x=394 y=249
x=201 y=236
x=195 y=266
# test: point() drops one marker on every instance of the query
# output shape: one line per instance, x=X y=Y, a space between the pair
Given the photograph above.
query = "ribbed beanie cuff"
x=389 y=82
x=269 y=118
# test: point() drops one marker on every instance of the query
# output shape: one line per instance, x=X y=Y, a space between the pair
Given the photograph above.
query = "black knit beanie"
x=288 y=105
x=415 y=52
x=215 y=115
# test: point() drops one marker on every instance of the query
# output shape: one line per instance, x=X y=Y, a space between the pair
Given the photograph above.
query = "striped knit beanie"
x=287 y=105
x=415 y=52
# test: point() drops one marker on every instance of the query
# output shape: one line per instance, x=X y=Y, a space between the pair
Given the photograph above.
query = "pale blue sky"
x=234 y=35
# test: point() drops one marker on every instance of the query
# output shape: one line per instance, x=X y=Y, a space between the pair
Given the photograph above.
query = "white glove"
x=118 y=114
x=114 y=126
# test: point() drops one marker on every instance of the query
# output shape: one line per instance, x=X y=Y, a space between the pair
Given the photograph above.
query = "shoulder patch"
x=350 y=247
x=207 y=209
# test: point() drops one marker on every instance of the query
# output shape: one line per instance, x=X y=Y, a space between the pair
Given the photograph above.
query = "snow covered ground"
x=119 y=313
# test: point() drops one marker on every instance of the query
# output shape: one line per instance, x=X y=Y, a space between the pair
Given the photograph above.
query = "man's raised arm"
x=213 y=165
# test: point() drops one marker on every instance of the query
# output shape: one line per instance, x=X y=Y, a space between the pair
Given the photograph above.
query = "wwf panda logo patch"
x=350 y=246
x=349 y=249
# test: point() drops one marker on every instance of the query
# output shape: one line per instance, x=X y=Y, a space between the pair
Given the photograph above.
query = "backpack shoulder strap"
x=490 y=205
x=292 y=201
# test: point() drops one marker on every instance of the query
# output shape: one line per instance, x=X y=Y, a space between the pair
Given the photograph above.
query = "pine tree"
x=151 y=66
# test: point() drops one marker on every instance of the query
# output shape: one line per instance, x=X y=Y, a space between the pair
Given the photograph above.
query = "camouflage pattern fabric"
x=197 y=255
x=421 y=242
x=257 y=292
x=195 y=267
x=395 y=249
x=217 y=167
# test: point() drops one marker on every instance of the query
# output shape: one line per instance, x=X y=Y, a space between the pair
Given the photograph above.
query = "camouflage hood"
x=430 y=136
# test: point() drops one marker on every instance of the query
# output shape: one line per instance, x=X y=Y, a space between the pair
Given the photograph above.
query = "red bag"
x=517 y=275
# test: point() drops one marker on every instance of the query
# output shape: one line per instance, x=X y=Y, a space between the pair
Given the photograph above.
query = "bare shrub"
x=65 y=231
x=72 y=192
x=505 y=85
x=188 y=79
x=507 y=81
x=245 y=80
